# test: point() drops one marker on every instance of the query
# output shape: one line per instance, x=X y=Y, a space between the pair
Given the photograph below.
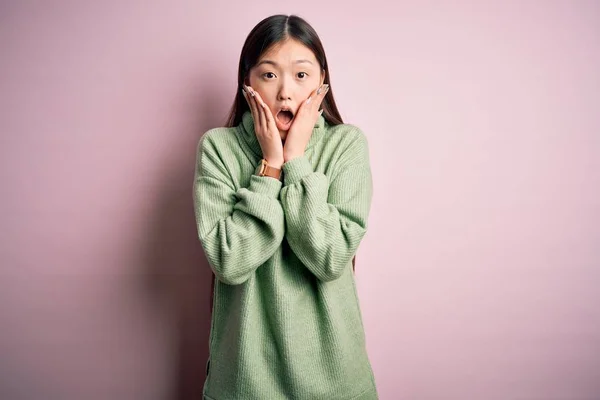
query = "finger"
x=320 y=96
x=262 y=111
x=253 y=107
x=310 y=98
x=307 y=105
x=245 y=94
x=269 y=116
x=250 y=105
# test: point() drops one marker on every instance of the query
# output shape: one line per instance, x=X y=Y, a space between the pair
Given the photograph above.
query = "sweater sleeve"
x=239 y=229
x=325 y=221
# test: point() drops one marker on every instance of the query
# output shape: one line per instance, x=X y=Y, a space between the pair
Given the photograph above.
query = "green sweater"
x=286 y=321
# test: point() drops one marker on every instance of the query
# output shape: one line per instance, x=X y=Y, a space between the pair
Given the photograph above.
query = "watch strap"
x=264 y=169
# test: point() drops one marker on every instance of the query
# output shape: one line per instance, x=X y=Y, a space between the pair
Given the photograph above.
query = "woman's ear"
x=322 y=77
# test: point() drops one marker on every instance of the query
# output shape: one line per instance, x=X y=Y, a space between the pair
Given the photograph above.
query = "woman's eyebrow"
x=275 y=64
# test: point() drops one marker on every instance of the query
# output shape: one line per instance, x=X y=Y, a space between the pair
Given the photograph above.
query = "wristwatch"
x=264 y=169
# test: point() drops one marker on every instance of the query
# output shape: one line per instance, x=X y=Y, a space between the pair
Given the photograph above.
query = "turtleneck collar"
x=250 y=138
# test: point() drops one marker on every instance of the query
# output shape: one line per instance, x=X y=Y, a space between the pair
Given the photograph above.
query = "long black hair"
x=265 y=34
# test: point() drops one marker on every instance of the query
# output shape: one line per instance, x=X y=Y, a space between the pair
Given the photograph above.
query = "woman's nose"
x=284 y=92
x=283 y=95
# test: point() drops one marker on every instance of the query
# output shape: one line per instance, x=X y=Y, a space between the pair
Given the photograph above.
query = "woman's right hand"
x=264 y=126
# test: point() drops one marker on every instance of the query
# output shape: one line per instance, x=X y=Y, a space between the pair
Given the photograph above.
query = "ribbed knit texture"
x=286 y=321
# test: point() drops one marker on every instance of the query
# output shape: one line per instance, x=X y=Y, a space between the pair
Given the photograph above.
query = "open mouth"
x=284 y=118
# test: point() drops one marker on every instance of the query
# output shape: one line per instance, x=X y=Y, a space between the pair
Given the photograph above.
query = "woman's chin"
x=283 y=129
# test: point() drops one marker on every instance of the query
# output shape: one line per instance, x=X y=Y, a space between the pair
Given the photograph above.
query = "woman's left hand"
x=304 y=122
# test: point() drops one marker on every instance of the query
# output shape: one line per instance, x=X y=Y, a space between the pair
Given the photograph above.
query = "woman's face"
x=284 y=77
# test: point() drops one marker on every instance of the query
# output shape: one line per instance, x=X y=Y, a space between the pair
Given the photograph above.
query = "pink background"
x=480 y=271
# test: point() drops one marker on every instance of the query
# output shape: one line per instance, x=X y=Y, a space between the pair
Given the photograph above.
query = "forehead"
x=288 y=51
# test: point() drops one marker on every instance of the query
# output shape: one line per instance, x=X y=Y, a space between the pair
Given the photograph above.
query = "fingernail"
x=325 y=88
x=308 y=100
x=320 y=112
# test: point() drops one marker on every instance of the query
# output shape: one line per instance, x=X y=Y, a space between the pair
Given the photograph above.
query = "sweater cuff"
x=296 y=169
x=265 y=185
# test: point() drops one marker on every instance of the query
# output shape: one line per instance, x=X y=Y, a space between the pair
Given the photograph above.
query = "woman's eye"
x=302 y=75
x=269 y=75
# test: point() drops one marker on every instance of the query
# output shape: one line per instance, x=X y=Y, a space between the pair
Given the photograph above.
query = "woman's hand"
x=265 y=128
x=304 y=122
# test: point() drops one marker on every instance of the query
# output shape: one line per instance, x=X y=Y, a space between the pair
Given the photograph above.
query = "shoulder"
x=217 y=138
x=215 y=147
x=349 y=139
x=344 y=132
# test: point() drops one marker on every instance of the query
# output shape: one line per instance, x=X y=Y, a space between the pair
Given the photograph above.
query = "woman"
x=282 y=197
